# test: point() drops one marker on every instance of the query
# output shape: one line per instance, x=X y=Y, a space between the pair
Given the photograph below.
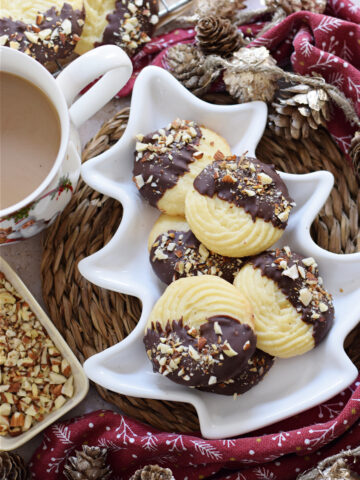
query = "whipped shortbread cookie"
x=200 y=331
x=254 y=371
x=168 y=160
x=238 y=206
x=46 y=30
x=292 y=310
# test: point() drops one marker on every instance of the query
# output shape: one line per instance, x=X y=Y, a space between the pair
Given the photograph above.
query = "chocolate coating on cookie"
x=298 y=278
x=254 y=371
x=216 y=352
x=131 y=24
x=177 y=254
x=162 y=157
x=250 y=184
x=54 y=35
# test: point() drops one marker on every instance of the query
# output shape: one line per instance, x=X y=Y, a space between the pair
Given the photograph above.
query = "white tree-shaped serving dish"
x=292 y=385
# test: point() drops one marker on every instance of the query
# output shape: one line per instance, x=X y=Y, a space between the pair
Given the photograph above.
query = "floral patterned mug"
x=39 y=209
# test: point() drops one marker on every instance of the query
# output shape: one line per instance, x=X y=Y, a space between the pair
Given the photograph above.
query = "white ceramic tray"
x=292 y=385
x=81 y=383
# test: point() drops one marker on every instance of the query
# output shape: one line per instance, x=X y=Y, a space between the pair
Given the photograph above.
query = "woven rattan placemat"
x=92 y=319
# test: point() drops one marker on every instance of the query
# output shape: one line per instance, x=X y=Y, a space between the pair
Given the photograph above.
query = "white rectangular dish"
x=292 y=385
x=81 y=383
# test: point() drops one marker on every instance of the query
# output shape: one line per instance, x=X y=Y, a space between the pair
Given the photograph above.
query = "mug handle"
x=109 y=61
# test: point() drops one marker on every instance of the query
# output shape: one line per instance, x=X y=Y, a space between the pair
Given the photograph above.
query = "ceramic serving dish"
x=81 y=383
x=292 y=385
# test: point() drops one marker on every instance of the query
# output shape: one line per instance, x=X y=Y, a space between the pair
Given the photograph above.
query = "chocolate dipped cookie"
x=238 y=206
x=127 y=24
x=175 y=252
x=293 y=312
x=168 y=160
x=47 y=30
x=200 y=332
x=254 y=371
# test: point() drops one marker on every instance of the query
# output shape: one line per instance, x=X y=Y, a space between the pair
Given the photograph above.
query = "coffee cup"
x=25 y=213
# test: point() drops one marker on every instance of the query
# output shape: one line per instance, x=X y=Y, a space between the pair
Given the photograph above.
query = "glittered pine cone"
x=219 y=8
x=291 y=6
x=186 y=63
x=355 y=152
x=12 y=467
x=247 y=86
x=297 y=109
x=153 y=472
x=88 y=464
x=218 y=36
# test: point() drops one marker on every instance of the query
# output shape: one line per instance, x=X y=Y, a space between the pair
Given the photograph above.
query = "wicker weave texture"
x=92 y=319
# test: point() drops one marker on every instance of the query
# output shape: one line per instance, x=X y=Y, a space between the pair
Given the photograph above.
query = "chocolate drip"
x=254 y=371
x=240 y=181
x=269 y=264
x=58 y=44
x=141 y=30
x=212 y=364
x=165 y=167
x=177 y=254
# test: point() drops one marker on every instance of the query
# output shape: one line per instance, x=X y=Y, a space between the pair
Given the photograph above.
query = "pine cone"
x=248 y=86
x=355 y=152
x=186 y=63
x=217 y=35
x=153 y=472
x=298 y=108
x=219 y=8
x=291 y=6
x=88 y=464
x=12 y=467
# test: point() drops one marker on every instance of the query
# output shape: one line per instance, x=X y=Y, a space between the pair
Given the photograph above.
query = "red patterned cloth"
x=326 y=44
x=278 y=452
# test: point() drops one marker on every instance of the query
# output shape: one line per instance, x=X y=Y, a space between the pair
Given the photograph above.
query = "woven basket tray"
x=92 y=319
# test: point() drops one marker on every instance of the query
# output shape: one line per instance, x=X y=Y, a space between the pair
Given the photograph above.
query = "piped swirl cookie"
x=200 y=331
x=239 y=206
x=254 y=371
x=168 y=160
x=127 y=24
x=46 y=30
x=175 y=252
x=293 y=312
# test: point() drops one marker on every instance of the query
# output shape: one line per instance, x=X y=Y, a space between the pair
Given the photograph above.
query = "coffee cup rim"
x=61 y=109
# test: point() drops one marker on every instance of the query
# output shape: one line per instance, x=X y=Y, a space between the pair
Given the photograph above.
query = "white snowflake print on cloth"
x=63 y=434
x=149 y=441
x=336 y=78
x=207 y=449
x=328 y=25
x=125 y=433
x=331 y=409
x=176 y=444
x=305 y=48
x=354 y=87
x=263 y=474
x=281 y=437
x=321 y=436
x=110 y=445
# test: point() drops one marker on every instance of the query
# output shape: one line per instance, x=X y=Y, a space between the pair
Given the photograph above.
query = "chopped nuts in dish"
x=34 y=378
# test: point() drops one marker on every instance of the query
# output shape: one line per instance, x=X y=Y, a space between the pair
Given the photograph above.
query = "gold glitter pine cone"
x=186 y=63
x=249 y=86
x=291 y=6
x=297 y=109
x=218 y=36
x=219 y=8
x=354 y=152
x=12 y=467
x=153 y=472
x=88 y=464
